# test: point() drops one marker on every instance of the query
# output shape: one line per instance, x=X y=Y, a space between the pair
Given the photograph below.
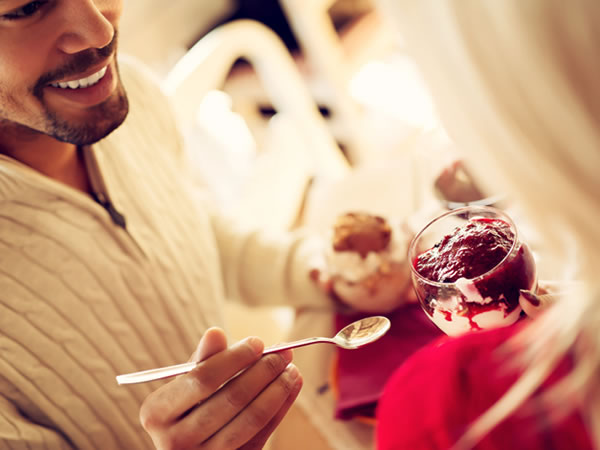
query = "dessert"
x=471 y=278
x=367 y=262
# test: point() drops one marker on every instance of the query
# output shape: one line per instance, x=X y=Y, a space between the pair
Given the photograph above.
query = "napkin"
x=359 y=375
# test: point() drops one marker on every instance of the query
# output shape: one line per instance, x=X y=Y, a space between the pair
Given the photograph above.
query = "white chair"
x=206 y=65
x=308 y=148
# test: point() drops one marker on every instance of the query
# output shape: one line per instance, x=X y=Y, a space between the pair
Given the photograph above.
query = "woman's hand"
x=235 y=398
x=456 y=185
x=546 y=294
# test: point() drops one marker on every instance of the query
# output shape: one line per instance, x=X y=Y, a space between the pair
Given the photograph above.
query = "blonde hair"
x=516 y=83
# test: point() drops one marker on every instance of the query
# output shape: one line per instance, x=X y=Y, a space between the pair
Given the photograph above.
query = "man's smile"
x=83 y=82
x=94 y=87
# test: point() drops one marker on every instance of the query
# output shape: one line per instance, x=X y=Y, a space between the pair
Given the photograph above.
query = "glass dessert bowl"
x=468 y=267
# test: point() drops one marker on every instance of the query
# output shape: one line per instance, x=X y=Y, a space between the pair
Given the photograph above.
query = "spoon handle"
x=156 y=374
x=179 y=369
x=295 y=344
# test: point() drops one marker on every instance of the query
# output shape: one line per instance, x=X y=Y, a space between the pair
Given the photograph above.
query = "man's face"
x=58 y=71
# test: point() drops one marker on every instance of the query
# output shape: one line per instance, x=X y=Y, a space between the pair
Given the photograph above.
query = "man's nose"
x=87 y=25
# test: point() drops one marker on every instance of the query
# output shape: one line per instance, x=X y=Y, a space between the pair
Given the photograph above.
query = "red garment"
x=431 y=399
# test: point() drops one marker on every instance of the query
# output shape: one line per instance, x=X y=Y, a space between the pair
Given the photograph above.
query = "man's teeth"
x=83 y=83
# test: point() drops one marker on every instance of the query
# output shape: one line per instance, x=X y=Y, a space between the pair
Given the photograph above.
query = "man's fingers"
x=259 y=441
x=169 y=402
x=258 y=415
x=220 y=409
x=213 y=341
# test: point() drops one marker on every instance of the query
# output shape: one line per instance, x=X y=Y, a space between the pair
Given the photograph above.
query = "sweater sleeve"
x=17 y=431
x=269 y=267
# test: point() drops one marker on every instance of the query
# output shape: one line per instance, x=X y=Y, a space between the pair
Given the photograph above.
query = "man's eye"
x=24 y=11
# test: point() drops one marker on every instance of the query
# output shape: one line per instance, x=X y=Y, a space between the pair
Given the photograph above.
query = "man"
x=108 y=262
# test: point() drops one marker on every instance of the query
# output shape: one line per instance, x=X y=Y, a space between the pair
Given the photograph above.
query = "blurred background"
x=295 y=111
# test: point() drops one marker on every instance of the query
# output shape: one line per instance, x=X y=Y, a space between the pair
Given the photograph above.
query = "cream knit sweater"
x=82 y=299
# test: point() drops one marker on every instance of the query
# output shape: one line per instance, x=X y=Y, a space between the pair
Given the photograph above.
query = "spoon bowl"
x=353 y=336
x=362 y=332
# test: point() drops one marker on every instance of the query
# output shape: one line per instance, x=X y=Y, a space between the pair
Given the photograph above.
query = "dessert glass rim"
x=458 y=211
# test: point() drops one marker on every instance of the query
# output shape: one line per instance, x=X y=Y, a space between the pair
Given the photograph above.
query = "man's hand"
x=212 y=408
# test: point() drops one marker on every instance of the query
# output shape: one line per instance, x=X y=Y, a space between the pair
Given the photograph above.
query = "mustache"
x=79 y=63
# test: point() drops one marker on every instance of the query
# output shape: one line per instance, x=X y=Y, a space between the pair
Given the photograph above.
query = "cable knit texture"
x=82 y=300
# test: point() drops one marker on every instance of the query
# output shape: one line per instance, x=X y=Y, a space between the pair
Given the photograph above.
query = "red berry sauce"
x=473 y=250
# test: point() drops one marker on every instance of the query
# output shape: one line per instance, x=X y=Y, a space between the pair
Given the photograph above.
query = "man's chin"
x=103 y=120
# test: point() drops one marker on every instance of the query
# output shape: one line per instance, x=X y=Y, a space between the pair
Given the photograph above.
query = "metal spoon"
x=355 y=335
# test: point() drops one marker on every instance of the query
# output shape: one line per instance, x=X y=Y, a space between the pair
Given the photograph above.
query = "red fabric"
x=430 y=401
x=361 y=374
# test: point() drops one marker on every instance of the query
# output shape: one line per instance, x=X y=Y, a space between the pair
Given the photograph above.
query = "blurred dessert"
x=484 y=267
x=367 y=262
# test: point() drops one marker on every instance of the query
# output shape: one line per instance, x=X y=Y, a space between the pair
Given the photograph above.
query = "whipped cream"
x=454 y=324
x=471 y=293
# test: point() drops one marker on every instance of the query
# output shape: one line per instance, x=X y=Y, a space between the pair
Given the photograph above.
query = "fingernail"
x=256 y=344
x=292 y=371
x=530 y=297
